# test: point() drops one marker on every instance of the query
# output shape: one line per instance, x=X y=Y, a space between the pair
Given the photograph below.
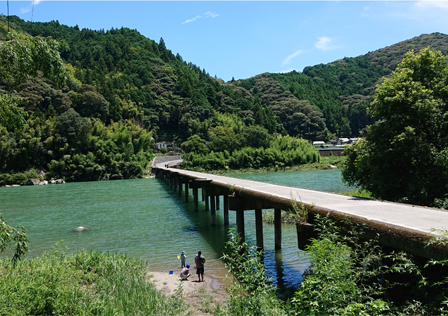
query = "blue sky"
x=242 y=39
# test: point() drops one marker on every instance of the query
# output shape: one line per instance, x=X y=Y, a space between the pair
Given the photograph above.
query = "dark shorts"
x=200 y=270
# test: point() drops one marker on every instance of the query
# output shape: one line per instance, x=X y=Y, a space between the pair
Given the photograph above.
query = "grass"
x=358 y=193
x=287 y=217
x=298 y=213
x=84 y=283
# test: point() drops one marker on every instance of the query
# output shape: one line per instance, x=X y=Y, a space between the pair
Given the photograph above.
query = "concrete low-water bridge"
x=399 y=226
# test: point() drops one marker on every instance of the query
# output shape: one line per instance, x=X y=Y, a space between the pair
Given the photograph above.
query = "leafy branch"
x=10 y=234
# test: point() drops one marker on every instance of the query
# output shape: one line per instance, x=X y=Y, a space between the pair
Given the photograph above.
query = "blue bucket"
x=171 y=271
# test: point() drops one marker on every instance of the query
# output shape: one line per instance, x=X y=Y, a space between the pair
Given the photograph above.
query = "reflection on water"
x=146 y=219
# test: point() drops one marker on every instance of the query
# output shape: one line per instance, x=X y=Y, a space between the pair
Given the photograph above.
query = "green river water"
x=146 y=219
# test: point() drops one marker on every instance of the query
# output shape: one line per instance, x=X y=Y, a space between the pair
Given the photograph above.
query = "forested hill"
x=130 y=76
x=141 y=79
x=341 y=90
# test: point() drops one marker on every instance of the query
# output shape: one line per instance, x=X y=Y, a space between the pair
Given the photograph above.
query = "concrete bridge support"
x=196 y=198
x=259 y=228
x=206 y=199
x=304 y=234
x=278 y=228
x=226 y=210
x=212 y=210
x=179 y=179
x=240 y=224
x=186 y=191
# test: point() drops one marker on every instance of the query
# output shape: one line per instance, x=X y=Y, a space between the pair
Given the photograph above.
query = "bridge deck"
x=417 y=218
x=407 y=221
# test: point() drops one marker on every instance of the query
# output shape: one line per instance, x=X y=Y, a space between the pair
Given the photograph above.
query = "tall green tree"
x=22 y=56
x=403 y=156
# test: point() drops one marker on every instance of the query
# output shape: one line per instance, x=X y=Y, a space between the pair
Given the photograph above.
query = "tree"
x=73 y=128
x=403 y=156
x=195 y=144
x=9 y=234
x=22 y=56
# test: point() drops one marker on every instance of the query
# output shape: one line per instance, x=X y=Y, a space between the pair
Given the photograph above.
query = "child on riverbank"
x=185 y=273
x=183 y=257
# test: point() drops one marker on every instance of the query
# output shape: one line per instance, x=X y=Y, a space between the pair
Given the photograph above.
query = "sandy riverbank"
x=201 y=296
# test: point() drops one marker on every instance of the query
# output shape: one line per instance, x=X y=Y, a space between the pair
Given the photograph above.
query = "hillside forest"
x=124 y=92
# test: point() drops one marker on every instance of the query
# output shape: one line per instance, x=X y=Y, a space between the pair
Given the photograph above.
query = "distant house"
x=161 y=145
x=343 y=141
x=318 y=143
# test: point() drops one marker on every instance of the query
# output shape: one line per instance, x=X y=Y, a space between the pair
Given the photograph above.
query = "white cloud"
x=288 y=59
x=192 y=20
x=432 y=4
x=210 y=14
x=207 y=14
x=323 y=43
x=26 y=10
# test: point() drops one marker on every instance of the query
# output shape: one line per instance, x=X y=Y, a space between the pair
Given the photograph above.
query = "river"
x=146 y=219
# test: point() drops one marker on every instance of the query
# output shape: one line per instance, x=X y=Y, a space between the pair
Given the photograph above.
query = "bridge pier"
x=212 y=210
x=226 y=210
x=217 y=202
x=180 y=186
x=259 y=228
x=207 y=199
x=240 y=224
x=278 y=228
x=186 y=191
x=196 y=199
x=305 y=232
x=240 y=205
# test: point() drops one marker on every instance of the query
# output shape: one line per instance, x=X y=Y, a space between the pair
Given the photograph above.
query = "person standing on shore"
x=200 y=261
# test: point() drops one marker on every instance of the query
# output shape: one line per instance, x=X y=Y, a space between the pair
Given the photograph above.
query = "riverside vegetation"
x=347 y=276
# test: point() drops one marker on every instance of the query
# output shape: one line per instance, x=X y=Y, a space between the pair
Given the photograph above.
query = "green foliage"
x=20 y=178
x=350 y=275
x=22 y=56
x=195 y=144
x=17 y=235
x=84 y=283
x=10 y=113
x=286 y=217
x=75 y=149
x=358 y=193
x=280 y=153
x=402 y=157
x=251 y=293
